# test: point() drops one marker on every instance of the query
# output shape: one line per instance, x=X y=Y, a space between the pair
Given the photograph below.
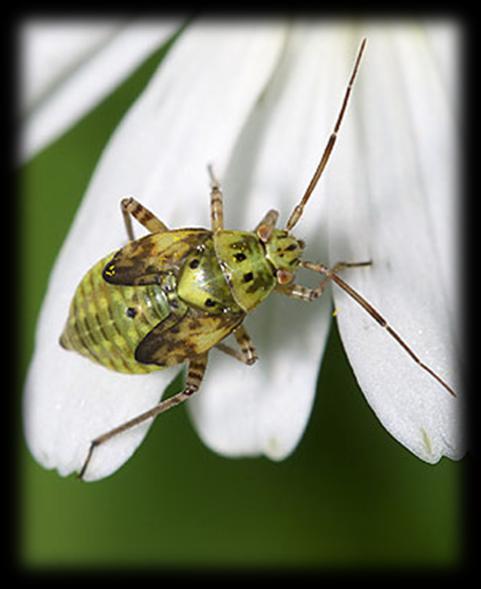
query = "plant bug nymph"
x=173 y=295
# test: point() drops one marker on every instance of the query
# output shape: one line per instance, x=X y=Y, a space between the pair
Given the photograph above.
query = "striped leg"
x=247 y=353
x=216 y=204
x=301 y=292
x=330 y=274
x=131 y=207
x=195 y=373
x=304 y=293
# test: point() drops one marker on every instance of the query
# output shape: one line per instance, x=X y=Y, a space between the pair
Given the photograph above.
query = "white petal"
x=67 y=68
x=393 y=201
x=264 y=409
x=50 y=50
x=190 y=114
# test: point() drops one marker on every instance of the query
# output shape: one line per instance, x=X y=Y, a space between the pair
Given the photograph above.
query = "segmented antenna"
x=299 y=209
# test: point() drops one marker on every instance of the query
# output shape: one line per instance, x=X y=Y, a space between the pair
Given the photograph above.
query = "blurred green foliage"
x=349 y=497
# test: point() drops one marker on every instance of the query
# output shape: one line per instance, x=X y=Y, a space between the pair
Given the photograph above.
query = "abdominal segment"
x=107 y=322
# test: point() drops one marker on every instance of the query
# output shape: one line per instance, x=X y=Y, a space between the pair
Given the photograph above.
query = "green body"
x=169 y=296
x=100 y=327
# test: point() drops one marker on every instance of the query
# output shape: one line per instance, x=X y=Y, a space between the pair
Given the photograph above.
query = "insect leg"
x=131 y=207
x=267 y=225
x=247 y=353
x=216 y=203
x=304 y=293
x=195 y=374
x=330 y=274
x=301 y=292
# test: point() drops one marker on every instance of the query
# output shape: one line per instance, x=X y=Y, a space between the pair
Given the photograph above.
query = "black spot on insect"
x=291 y=248
x=248 y=277
x=240 y=257
x=131 y=312
x=209 y=303
x=194 y=264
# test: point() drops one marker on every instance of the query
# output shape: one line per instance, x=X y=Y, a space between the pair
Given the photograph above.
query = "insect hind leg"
x=132 y=208
x=195 y=374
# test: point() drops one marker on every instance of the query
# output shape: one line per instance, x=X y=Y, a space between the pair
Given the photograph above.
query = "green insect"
x=173 y=295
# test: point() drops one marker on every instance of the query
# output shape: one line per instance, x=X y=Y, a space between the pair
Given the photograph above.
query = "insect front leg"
x=301 y=292
x=331 y=274
x=304 y=293
x=195 y=374
x=247 y=353
x=132 y=208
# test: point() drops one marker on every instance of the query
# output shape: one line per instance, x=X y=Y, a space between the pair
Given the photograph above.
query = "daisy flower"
x=258 y=100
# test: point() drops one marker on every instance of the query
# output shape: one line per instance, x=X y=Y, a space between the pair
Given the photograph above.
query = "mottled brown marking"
x=141 y=261
x=191 y=336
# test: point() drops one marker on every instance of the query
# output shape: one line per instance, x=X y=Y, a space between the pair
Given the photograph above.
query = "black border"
x=13 y=429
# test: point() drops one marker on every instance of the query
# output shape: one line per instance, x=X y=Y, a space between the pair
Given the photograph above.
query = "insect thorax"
x=202 y=283
x=249 y=274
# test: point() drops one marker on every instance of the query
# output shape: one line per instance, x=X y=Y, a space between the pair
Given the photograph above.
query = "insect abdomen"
x=107 y=322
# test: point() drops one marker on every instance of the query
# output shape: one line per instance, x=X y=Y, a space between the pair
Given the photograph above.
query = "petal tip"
x=275 y=449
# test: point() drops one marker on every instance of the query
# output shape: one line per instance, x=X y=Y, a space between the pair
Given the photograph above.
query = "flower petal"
x=264 y=409
x=69 y=67
x=43 y=66
x=190 y=114
x=401 y=215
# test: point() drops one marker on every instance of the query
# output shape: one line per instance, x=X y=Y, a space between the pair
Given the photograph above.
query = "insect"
x=174 y=294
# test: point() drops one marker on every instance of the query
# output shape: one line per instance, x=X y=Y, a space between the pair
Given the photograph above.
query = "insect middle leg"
x=132 y=208
x=195 y=373
x=247 y=353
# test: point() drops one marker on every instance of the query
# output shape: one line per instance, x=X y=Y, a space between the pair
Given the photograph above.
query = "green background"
x=349 y=496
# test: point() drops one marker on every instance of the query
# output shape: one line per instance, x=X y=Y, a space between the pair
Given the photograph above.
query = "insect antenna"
x=299 y=209
x=331 y=275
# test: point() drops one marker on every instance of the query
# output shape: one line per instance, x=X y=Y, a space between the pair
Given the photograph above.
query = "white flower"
x=69 y=66
x=259 y=100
